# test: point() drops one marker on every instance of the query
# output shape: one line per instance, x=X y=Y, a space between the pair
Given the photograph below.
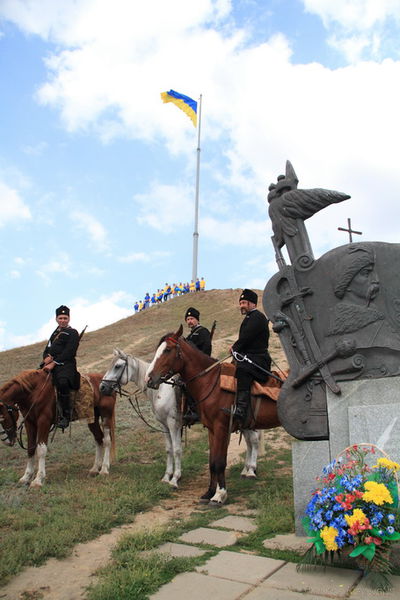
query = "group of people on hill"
x=168 y=292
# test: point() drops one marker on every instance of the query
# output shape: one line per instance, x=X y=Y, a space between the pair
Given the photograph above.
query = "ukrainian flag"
x=185 y=103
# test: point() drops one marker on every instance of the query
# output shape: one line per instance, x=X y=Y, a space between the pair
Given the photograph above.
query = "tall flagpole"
x=196 y=206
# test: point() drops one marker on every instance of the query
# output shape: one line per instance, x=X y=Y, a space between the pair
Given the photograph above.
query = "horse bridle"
x=167 y=378
x=7 y=431
x=170 y=373
x=116 y=383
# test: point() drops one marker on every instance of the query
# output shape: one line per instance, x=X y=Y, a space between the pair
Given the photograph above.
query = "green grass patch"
x=36 y=524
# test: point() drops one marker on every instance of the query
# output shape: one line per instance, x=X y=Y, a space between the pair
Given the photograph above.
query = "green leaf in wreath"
x=368 y=550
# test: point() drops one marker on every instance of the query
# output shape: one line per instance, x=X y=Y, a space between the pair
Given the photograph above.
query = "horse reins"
x=135 y=404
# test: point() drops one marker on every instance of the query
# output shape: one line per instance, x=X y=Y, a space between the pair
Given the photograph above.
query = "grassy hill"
x=139 y=334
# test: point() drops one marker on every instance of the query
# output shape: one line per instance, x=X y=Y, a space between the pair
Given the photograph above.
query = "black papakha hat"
x=62 y=310
x=249 y=295
x=192 y=312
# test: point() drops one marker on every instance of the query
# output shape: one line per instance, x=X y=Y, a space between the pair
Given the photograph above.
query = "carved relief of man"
x=357 y=285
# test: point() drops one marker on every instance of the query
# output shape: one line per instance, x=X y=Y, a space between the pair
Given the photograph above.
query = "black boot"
x=64 y=404
x=239 y=411
x=190 y=417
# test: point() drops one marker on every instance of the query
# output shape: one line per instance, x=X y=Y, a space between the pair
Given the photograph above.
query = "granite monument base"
x=367 y=411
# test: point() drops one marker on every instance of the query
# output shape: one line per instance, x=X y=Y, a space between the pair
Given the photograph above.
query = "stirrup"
x=190 y=418
x=63 y=423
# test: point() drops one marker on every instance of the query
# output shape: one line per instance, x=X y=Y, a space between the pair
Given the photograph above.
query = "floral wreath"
x=355 y=510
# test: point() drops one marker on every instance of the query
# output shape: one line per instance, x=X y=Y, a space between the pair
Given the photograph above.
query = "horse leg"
x=105 y=467
x=43 y=428
x=97 y=433
x=31 y=432
x=176 y=440
x=212 y=488
x=41 y=452
x=218 y=457
x=170 y=461
x=252 y=439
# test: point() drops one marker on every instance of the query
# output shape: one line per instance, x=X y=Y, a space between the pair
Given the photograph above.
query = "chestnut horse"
x=33 y=394
x=176 y=355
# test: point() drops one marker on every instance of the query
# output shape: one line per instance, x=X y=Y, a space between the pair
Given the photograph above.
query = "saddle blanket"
x=271 y=387
x=83 y=401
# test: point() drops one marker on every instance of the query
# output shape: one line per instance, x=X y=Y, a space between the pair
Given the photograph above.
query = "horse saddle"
x=83 y=401
x=228 y=382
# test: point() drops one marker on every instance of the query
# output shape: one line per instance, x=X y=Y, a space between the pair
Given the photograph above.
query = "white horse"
x=165 y=403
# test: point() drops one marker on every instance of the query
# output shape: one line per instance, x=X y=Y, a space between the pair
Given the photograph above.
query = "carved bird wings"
x=299 y=204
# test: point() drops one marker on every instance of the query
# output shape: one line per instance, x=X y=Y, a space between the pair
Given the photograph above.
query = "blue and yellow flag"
x=185 y=103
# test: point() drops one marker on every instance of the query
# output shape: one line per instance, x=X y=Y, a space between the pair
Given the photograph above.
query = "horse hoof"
x=35 y=485
x=204 y=500
x=215 y=504
x=93 y=473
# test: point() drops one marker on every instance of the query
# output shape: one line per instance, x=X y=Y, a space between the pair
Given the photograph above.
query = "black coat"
x=201 y=338
x=253 y=342
x=62 y=346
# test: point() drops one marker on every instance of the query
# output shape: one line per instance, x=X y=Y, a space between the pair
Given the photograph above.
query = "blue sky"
x=97 y=175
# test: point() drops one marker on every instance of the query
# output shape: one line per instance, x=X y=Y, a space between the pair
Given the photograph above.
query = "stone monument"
x=338 y=319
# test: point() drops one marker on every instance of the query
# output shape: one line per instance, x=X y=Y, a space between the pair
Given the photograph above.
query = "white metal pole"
x=196 y=206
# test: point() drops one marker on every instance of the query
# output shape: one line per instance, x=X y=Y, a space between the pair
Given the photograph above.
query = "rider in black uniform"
x=253 y=343
x=59 y=359
x=200 y=337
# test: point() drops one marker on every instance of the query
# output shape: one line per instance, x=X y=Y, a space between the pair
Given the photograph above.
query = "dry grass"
x=139 y=334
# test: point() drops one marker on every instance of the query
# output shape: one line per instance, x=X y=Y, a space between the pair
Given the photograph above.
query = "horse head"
x=167 y=360
x=8 y=416
x=116 y=375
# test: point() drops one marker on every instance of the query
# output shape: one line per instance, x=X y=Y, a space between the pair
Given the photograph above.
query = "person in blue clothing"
x=153 y=299
x=136 y=306
x=147 y=300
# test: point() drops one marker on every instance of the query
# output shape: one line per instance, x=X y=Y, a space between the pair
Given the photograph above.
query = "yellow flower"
x=387 y=464
x=377 y=493
x=328 y=535
x=357 y=516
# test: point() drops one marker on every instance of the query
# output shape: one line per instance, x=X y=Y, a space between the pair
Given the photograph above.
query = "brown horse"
x=32 y=393
x=176 y=355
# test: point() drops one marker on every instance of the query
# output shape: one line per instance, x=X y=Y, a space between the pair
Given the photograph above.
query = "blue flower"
x=391 y=518
x=390 y=530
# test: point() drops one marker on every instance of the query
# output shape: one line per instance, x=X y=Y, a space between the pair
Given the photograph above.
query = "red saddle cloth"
x=228 y=382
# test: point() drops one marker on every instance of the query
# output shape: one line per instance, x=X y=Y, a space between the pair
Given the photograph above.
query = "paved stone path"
x=240 y=576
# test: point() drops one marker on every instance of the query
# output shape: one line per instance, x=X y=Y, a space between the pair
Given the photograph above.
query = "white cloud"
x=358 y=27
x=14 y=274
x=12 y=207
x=92 y=228
x=243 y=232
x=35 y=150
x=165 y=207
x=60 y=264
x=145 y=257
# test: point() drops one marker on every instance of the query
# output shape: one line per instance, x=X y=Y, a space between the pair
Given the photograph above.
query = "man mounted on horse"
x=251 y=355
x=59 y=359
x=200 y=337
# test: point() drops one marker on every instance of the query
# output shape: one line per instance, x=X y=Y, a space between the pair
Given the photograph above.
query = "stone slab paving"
x=180 y=550
x=366 y=593
x=243 y=524
x=289 y=541
x=263 y=593
x=214 y=537
x=236 y=566
x=329 y=581
x=197 y=587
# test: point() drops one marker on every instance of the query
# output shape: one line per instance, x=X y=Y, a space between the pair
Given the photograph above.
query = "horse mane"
x=26 y=379
x=164 y=337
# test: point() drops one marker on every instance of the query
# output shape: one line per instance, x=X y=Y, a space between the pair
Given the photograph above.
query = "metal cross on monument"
x=349 y=230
